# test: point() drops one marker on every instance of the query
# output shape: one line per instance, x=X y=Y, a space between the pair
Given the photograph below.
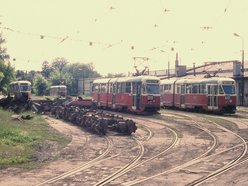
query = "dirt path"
x=164 y=149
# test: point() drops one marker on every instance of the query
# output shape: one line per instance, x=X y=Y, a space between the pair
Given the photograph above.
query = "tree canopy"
x=41 y=85
x=3 y=51
x=6 y=71
x=61 y=72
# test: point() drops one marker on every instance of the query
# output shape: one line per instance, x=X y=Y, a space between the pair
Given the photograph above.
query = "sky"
x=110 y=33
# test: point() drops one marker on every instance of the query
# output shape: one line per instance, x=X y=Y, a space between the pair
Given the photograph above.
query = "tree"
x=3 y=51
x=6 y=71
x=20 y=74
x=60 y=79
x=7 y=75
x=46 y=69
x=79 y=71
x=41 y=86
x=109 y=75
x=25 y=75
x=1 y=76
x=59 y=63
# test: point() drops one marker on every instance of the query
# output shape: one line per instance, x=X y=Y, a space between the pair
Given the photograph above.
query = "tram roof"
x=142 y=78
x=125 y=79
x=196 y=80
x=20 y=82
x=57 y=86
x=168 y=81
x=205 y=80
x=101 y=80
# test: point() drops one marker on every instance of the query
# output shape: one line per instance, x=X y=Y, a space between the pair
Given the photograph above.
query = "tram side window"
x=195 y=88
x=114 y=88
x=110 y=88
x=166 y=88
x=161 y=89
x=188 y=88
x=134 y=88
x=118 y=88
x=202 y=89
x=178 y=89
x=213 y=90
x=103 y=88
x=95 y=88
x=123 y=87
x=128 y=87
x=182 y=89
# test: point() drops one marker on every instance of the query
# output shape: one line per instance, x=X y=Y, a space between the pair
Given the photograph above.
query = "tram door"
x=98 y=96
x=212 y=97
x=182 y=97
x=114 y=90
x=136 y=95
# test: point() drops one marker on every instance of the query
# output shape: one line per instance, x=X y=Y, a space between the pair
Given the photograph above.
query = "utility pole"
x=194 y=68
x=242 y=70
x=168 y=69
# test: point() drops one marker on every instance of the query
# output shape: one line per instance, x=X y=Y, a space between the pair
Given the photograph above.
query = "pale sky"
x=109 y=33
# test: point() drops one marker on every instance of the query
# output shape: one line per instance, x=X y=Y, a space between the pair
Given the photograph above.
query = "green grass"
x=25 y=142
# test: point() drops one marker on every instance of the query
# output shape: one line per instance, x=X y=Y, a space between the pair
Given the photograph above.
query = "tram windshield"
x=152 y=89
x=24 y=88
x=228 y=89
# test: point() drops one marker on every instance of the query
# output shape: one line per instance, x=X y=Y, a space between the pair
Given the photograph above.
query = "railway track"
x=126 y=167
x=83 y=166
x=228 y=166
x=176 y=168
x=163 y=152
x=141 y=140
x=135 y=164
x=240 y=159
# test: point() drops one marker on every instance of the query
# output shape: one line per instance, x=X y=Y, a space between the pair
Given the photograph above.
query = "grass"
x=24 y=143
x=223 y=122
x=170 y=115
x=242 y=109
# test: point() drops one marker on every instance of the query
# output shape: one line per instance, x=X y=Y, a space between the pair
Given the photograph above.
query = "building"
x=84 y=86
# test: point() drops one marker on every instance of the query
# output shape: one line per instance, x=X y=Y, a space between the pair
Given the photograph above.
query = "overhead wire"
x=90 y=43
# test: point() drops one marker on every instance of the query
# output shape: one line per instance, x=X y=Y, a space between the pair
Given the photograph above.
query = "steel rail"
x=84 y=166
x=130 y=164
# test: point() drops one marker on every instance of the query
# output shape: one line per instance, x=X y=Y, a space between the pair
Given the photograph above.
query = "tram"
x=216 y=94
x=58 y=90
x=134 y=94
x=20 y=90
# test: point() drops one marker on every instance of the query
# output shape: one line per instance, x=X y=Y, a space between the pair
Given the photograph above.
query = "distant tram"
x=214 y=94
x=20 y=90
x=133 y=94
x=58 y=90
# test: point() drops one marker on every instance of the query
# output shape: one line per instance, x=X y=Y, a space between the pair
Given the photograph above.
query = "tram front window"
x=229 y=89
x=152 y=89
x=24 y=88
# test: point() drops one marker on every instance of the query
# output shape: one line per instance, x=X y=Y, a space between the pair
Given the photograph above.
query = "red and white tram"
x=134 y=94
x=202 y=94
